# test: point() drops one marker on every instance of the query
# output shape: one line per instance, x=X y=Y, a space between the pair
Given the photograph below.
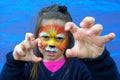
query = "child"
x=61 y=50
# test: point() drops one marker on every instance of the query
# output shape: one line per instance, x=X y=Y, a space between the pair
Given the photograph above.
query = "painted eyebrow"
x=43 y=34
x=61 y=35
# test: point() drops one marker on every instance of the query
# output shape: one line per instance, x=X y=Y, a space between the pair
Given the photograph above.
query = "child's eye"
x=45 y=37
x=59 y=38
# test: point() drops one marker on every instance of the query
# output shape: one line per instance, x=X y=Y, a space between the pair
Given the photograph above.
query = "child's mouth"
x=51 y=51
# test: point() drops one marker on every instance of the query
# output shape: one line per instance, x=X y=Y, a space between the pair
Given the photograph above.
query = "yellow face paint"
x=53 y=37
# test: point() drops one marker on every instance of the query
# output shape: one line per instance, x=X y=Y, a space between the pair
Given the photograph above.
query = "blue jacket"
x=101 y=68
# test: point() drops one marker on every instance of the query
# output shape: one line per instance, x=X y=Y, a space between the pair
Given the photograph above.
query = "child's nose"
x=52 y=46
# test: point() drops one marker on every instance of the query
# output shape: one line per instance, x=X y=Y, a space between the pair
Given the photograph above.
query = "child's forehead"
x=52 y=28
x=52 y=21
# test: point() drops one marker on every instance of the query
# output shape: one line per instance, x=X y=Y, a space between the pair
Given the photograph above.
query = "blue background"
x=19 y=16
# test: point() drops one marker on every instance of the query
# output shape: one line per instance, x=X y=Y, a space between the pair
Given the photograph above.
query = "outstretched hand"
x=24 y=50
x=88 y=42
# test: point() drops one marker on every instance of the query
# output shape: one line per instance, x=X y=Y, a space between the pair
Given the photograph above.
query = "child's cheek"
x=43 y=45
x=62 y=46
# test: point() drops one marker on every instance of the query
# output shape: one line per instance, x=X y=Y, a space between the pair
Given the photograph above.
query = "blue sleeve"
x=103 y=67
x=12 y=70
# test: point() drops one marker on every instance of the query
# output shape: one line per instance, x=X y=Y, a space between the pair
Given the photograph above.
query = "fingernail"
x=82 y=24
x=66 y=27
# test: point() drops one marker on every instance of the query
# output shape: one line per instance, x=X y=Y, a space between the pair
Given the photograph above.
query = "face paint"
x=53 y=37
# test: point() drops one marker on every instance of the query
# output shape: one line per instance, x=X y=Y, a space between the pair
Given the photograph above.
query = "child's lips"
x=51 y=53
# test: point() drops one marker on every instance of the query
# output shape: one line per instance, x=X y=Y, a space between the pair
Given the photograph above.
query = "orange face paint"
x=53 y=35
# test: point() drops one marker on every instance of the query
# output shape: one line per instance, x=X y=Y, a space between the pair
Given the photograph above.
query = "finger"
x=38 y=42
x=87 y=22
x=24 y=50
x=19 y=50
x=108 y=37
x=27 y=44
x=70 y=26
x=32 y=59
x=33 y=43
x=69 y=53
x=29 y=36
x=96 y=30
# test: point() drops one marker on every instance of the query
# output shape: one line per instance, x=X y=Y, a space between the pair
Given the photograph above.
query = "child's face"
x=53 y=39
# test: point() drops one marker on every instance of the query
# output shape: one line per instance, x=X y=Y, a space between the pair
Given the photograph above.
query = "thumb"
x=36 y=41
x=36 y=59
x=70 y=53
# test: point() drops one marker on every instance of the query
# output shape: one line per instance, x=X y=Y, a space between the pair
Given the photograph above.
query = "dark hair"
x=51 y=12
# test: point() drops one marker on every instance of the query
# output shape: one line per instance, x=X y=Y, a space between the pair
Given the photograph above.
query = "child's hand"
x=24 y=50
x=88 y=42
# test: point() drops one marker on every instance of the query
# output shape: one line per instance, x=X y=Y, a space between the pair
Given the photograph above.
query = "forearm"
x=12 y=70
x=103 y=67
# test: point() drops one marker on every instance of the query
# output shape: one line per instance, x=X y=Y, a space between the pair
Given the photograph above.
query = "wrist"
x=103 y=55
x=97 y=53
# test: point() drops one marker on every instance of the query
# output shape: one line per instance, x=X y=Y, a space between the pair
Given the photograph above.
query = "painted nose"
x=51 y=46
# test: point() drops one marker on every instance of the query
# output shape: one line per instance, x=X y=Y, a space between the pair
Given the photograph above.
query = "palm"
x=24 y=50
x=29 y=56
x=88 y=42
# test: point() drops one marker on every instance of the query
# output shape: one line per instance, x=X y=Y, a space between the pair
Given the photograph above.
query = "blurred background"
x=19 y=16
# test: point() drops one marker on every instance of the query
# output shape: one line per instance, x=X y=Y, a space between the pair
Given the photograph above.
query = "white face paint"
x=43 y=34
x=51 y=49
